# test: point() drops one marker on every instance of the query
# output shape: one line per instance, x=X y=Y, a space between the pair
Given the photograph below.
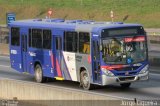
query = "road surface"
x=147 y=90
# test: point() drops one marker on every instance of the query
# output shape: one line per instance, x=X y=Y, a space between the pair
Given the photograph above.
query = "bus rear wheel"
x=39 y=74
x=125 y=85
x=85 y=80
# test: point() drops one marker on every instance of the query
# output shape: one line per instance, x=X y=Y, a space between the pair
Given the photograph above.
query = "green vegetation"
x=146 y=12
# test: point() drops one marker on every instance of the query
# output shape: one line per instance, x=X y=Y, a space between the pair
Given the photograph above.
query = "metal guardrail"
x=154 y=39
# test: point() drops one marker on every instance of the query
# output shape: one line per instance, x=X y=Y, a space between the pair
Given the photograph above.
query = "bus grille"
x=123 y=74
x=127 y=68
x=126 y=78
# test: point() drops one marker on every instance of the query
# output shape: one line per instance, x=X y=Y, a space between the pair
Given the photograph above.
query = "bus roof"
x=78 y=25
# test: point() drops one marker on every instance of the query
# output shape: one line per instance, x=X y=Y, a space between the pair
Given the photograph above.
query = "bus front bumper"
x=106 y=80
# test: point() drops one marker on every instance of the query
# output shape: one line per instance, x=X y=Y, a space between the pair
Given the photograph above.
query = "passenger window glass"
x=37 y=38
x=84 y=43
x=70 y=41
x=15 y=36
x=47 y=39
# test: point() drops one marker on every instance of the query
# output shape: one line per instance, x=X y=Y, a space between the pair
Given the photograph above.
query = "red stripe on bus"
x=107 y=67
x=58 y=69
x=89 y=59
x=112 y=67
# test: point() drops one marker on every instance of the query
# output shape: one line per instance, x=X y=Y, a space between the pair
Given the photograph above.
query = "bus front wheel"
x=39 y=74
x=85 y=80
x=125 y=85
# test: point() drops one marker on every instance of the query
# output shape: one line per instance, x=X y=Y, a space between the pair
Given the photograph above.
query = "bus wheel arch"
x=85 y=79
x=38 y=72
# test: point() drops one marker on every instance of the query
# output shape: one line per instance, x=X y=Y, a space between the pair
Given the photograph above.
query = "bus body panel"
x=15 y=58
x=69 y=66
x=83 y=61
x=15 y=54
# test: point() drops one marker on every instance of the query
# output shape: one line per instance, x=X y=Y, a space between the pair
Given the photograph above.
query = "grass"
x=146 y=12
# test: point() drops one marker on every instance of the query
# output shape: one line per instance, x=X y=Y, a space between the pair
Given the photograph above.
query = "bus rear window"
x=15 y=36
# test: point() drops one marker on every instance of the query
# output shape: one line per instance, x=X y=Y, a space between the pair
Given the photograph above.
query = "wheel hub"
x=85 y=80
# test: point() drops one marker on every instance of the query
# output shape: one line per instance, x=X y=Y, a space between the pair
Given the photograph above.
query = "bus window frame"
x=50 y=39
x=64 y=41
x=30 y=45
x=89 y=34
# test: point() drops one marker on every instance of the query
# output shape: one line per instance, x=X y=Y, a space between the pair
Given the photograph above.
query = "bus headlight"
x=144 y=70
x=107 y=72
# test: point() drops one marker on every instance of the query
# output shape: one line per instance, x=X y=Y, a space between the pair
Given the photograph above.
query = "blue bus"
x=85 y=51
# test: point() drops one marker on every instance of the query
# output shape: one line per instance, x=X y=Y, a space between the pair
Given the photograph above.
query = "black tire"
x=125 y=85
x=39 y=74
x=85 y=80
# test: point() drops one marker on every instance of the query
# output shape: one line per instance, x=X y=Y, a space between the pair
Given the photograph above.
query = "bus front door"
x=96 y=61
x=24 y=50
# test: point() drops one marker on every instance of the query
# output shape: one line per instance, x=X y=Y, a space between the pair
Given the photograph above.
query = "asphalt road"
x=147 y=90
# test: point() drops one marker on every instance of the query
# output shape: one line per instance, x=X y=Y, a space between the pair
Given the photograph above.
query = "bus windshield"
x=126 y=50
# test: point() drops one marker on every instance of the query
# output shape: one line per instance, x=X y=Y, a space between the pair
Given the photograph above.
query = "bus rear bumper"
x=106 y=80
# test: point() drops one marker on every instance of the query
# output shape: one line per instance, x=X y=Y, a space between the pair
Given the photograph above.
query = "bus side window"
x=37 y=38
x=47 y=39
x=70 y=41
x=15 y=36
x=84 y=42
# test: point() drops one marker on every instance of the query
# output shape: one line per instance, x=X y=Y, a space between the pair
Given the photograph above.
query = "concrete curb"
x=4 y=54
x=49 y=95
